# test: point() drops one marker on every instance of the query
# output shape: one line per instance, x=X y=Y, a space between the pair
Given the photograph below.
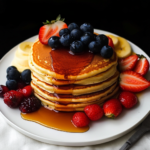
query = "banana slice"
x=25 y=47
x=22 y=55
x=21 y=58
x=123 y=48
x=114 y=39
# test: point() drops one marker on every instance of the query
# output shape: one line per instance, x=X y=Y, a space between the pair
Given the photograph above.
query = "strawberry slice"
x=128 y=63
x=133 y=82
x=142 y=66
x=51 y=28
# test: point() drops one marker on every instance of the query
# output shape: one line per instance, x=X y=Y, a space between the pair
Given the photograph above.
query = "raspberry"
x=3 y=90
x=27 y=91
x=128 y=99
x=30 y=104
x=19 y=90
x=94 y=112
x=13 y=98
x=80 y=119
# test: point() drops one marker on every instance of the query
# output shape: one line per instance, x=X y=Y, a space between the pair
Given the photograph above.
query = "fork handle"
x=135 y=137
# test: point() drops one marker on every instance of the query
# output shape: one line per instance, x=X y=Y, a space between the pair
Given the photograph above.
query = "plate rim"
x=37 y=137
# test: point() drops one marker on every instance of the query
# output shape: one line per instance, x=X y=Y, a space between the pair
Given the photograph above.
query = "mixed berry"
x=82 y=38
x=18 y=93
x=77 y=38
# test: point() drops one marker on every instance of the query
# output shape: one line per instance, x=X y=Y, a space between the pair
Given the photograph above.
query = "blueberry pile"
x=15 y=78
x=80 y=39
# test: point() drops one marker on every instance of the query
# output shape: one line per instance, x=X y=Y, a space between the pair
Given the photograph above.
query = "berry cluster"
x=111 y=109
x=81 y=38
x=18 y=92
x=15 y=79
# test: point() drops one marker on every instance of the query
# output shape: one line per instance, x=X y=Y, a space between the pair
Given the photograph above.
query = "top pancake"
x=43 y=61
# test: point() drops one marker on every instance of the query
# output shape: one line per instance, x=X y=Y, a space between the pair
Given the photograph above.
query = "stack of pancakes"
x=66 y=90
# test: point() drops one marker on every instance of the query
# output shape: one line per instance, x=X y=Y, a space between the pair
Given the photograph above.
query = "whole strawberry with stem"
x=112 y=108
x=51 y=28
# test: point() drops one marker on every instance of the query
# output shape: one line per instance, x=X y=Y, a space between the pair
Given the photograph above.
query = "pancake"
x=66 y=82
x=75 y=89
x=76 y=106
x=91 y=80
x=42 y=57
x=69 y=98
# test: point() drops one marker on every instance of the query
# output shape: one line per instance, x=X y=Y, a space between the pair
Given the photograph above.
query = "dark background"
x=20 y=20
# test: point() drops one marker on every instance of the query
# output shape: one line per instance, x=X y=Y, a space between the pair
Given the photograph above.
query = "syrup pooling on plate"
x=55 y=120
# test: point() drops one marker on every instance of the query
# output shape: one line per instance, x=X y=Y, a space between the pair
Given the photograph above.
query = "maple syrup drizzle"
x=55 y=120
x=67 y=64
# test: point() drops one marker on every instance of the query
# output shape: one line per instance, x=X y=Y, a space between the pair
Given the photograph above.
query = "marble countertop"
x=10 y=139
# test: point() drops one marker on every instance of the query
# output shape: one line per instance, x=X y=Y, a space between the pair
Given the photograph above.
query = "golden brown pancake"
x=76 y=106
x=69 y=98
x=67 y=82
x=42 y=60
x=75 y=89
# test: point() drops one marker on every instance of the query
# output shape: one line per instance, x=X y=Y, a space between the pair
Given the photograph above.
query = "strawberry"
x=80 y=119
x=112 y=108
x=51 y=28
x=128 y=63
x=110 y=42
x=142 y=65
x=94 y=112
x=128 y=99
x=13 y=98
x=133 y=82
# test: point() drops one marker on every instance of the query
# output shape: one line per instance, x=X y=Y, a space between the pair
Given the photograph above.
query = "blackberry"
x=30 y=104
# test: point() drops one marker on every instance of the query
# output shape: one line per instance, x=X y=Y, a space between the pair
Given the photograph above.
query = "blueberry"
x=26 y=75
x=86 y=27
x=11 y=68
x=72 y=26
x=94 y=36
x=106 y=51
x=76 y=34
x=86 y=39
x=63 y=31
x=54 y=42
x=77 y=47
x=11 y=84
x=103 y=38
x=95 y=46
x=91 y=34
x=13 y=74
x=65 y=40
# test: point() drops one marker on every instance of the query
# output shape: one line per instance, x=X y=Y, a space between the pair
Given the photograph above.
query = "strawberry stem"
x=53 y=21
x=112 y=116
x=140 y=56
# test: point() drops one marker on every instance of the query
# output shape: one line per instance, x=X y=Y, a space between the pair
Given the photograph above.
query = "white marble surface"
x=10 y=139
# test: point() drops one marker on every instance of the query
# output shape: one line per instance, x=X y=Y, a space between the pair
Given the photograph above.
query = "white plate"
x=100 y=131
